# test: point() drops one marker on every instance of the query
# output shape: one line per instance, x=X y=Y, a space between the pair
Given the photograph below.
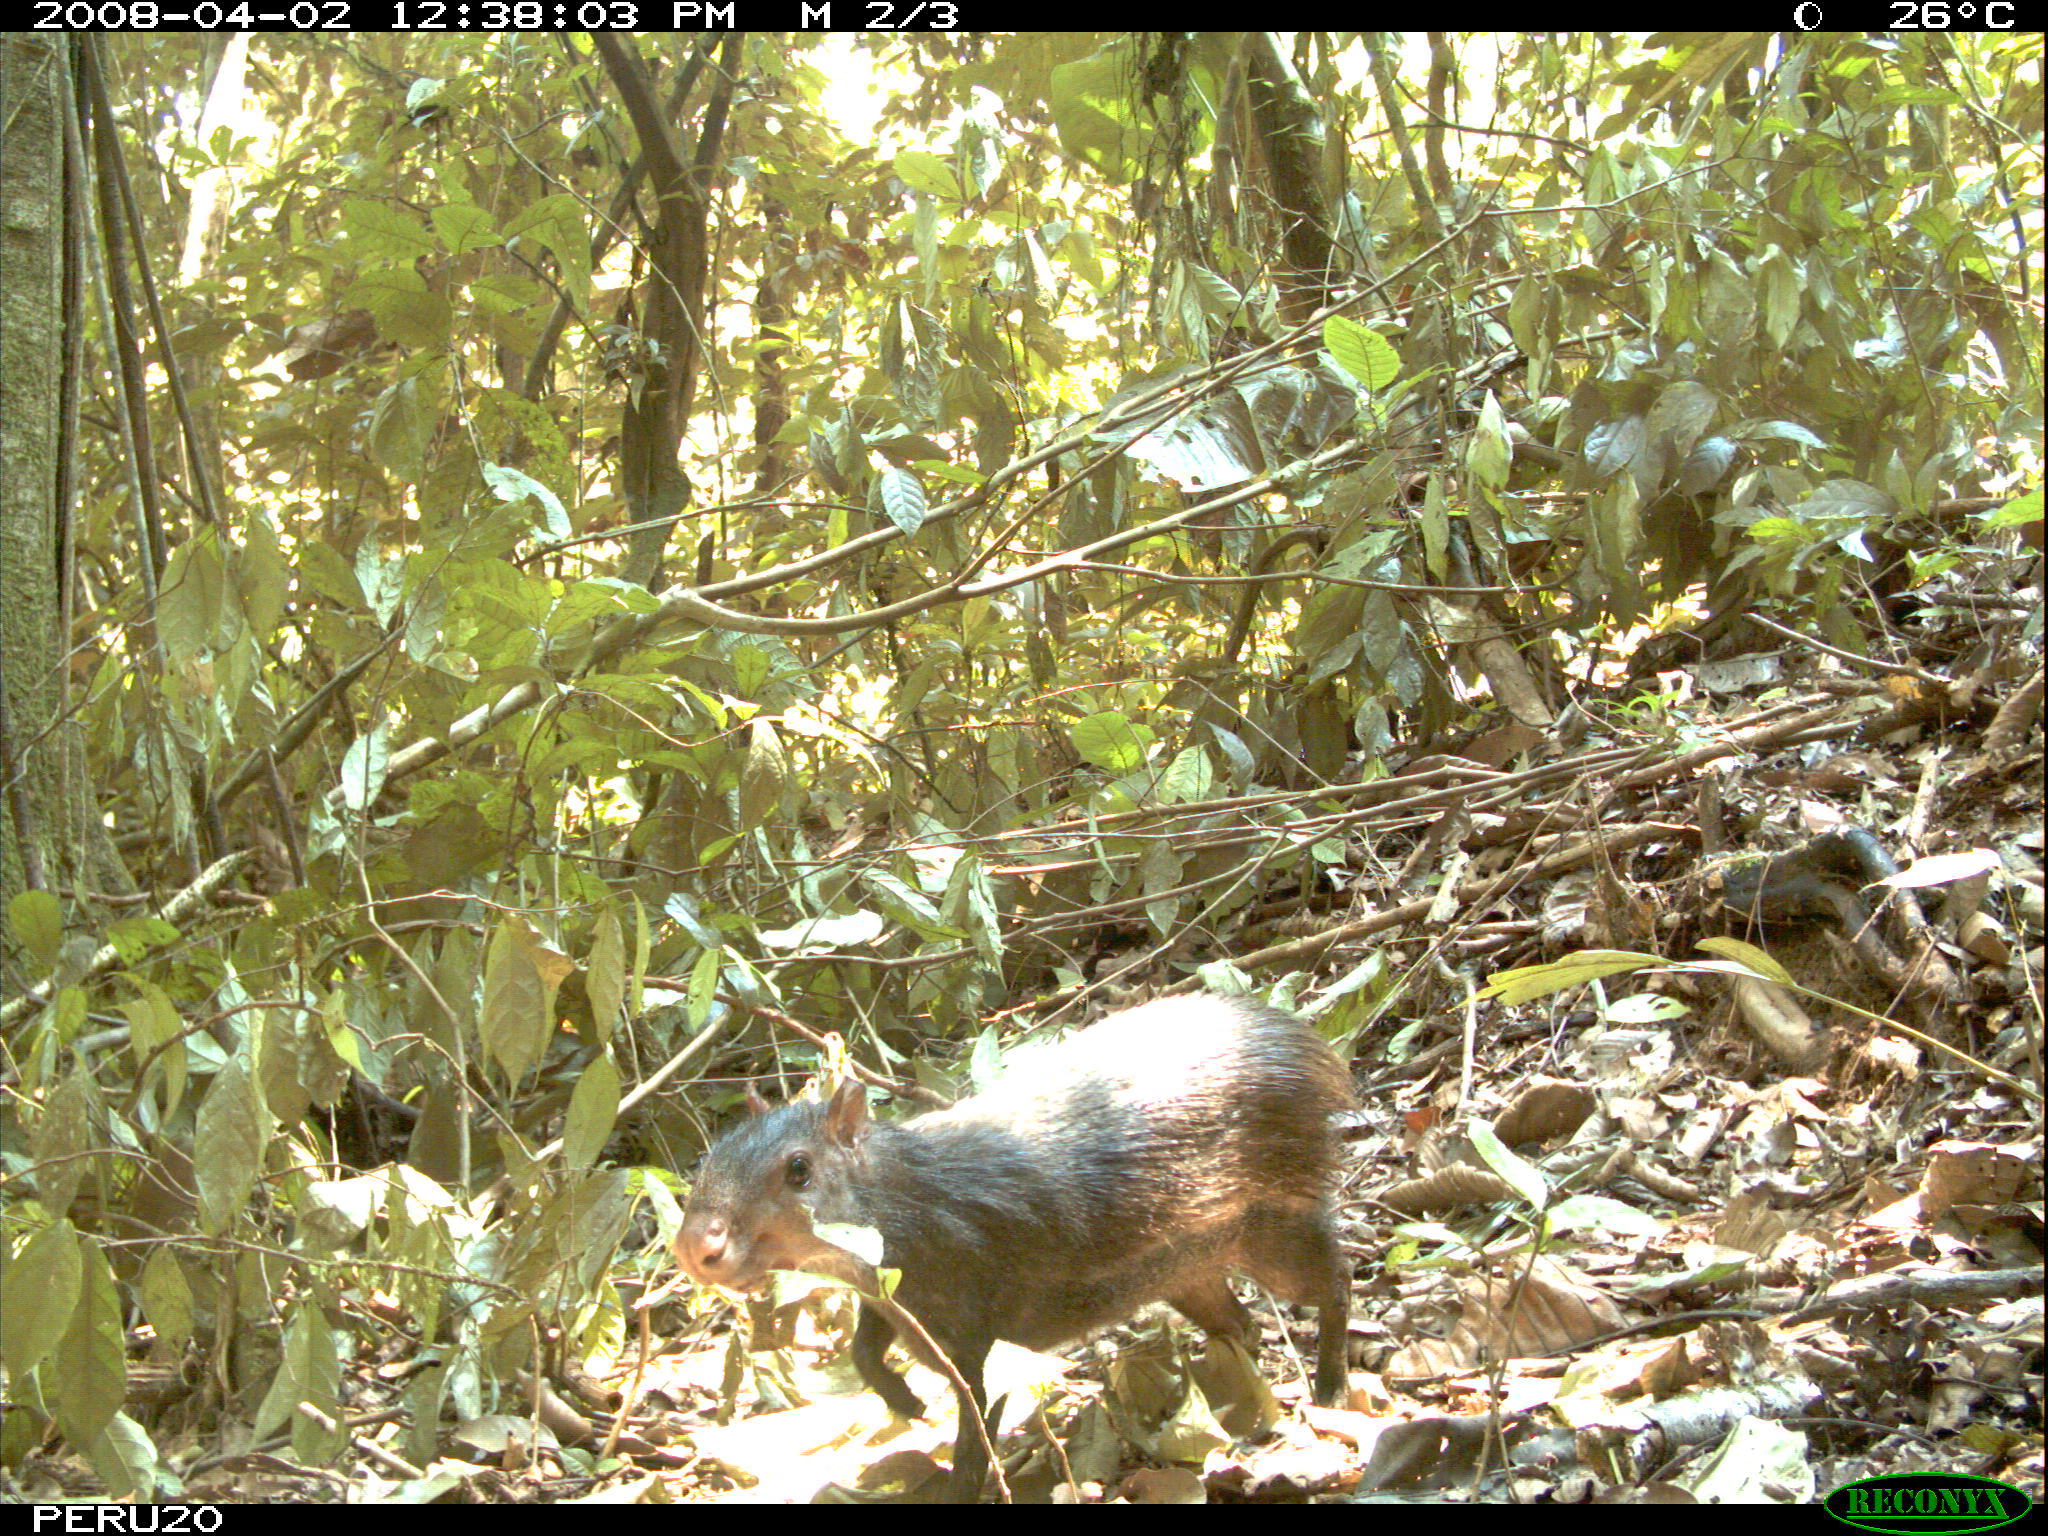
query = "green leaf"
x=399 y=431
x=1111 y=742
x=1682 y=413
x=557 y=223
x=2020 y=510
x=38 y=1291
x=605 y=978
x=166 y=1297
x=189 y=601
x=1218 y=300
x=1528 y=1180
x=765 y=775
x=504 y=293
x=905 y=903
x=593 y=1111
x=1362 y=352
x=423 y=92
x=1160 y=870
x=751 y=669
x=125 y=1458
x=322 y=568
x=681 y=909
x=1187 y=778
x=829 y=932
x=135 y=937
x=922 y=172
x=969 y=906
x=514 y=1019
x=903 y=499
x=384 y=232
x=309 y=1373
x=1600 y=1213
x=261 y=577
x=382 y=579
x=37 y=918
x=62 y=1137
x=1748 y=955
x=1489 y=451
x=362 y=770
x=512 y=486
x=464 y=227
x=153 y=1029
x=408 y=313
x=228 y=1146
x=88 y=1375
x=1523 y=983
x=703 y=988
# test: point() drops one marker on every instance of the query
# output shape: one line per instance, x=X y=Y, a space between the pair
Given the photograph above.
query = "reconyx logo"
x=1920 y=1502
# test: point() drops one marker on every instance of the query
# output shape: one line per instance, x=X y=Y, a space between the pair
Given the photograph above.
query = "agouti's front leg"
x=871 y=1336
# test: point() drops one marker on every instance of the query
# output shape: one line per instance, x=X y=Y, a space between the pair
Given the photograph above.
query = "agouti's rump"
x=1141 y=1160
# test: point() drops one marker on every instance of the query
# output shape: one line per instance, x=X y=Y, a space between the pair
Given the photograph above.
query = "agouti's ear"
x=846 y=1117
x=756 y=1105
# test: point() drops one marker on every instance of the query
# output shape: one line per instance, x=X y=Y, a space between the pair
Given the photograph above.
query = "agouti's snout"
x=703 y=1252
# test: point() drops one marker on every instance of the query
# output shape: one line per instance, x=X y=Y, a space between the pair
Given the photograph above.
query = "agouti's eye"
x=797 y=1174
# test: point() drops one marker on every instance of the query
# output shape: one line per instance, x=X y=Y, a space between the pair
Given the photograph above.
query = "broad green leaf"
x=1111 y=742
x=922 y=172
x=88 y=1375
x=38 y=1292
x=593 y=1111
x=37 y=918
x=228 y=1144
x=514 y=1019
x=605 y=977
x=903 y=499
x=1363 y=353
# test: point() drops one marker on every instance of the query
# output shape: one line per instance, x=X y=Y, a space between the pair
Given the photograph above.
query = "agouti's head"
x=766 y=1183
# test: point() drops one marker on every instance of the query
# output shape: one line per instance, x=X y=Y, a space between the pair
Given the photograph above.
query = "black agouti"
x=1141 y=1160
